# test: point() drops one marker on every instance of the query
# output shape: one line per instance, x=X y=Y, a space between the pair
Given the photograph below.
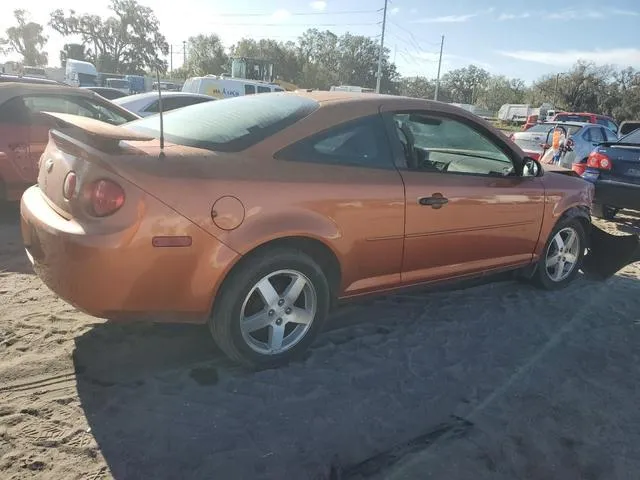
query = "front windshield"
x=228 y=125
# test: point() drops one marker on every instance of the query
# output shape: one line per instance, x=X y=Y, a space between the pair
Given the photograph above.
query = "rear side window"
x=594 y=135
x=263 y=89
x=249 y=89
x=360 y=143
x=228 y=125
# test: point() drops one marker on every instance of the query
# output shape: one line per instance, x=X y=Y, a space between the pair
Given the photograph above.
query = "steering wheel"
x=410 y=151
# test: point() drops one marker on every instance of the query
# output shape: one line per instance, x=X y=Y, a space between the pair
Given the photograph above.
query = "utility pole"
x=184 y=53
x=384 y=24
x=435 y=97
x=395 y=52
x=171 y=57
x=555 y=91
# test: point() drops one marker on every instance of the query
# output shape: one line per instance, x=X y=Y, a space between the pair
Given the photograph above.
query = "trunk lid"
x=625 y=160
x=78 y=145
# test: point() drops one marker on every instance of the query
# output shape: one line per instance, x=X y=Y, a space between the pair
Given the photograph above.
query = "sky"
x=516 y=38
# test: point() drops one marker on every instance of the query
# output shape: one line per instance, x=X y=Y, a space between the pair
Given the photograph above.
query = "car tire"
x=242 y=298
x=547 y=274
x=604 y=211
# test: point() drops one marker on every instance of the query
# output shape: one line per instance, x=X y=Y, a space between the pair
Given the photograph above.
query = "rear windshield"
x=572 y=118
x=228 y=125
x=547 y=127
x=633 y=137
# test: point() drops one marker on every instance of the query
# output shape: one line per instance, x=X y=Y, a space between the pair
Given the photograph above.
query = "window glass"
x=263 y=89
x=357 y=143
x=594 y=135
x=444 y=145
x=230 y=125
x=84 y=107
x=14 y=111
x=249 y=89
x=610 y=136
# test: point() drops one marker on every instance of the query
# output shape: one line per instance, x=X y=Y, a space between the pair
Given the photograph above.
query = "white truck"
x=519 y=112
x=79 y=73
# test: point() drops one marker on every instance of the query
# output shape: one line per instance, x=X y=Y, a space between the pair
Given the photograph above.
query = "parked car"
x=582 y=138
x=262 y=211
x=145 y=104
x=629 y=126
x=24 y=129
x=586 y=117
x=5 y=78
x=614 y=169
x=106 y=92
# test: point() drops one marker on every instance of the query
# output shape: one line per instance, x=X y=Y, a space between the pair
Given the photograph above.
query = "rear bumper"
x=121 y=275
x=613 y=193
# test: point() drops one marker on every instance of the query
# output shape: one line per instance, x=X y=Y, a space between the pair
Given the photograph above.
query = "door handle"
x=435 y=201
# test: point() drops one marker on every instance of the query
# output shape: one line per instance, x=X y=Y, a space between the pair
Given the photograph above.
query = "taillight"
x=69 y=185
x=104 y=197
x=599 y=161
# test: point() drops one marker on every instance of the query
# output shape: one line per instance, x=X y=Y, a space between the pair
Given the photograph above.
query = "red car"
x=24 y=130
x=587 y=118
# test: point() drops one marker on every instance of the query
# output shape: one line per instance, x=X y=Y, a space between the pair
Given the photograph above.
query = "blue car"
x=614 y=169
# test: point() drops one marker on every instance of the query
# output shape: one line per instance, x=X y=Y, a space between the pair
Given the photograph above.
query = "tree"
x=418 y=87
x=206 y=55
x=27 y=39
x=499 y=90
x=127 y=42
x=74 y=51
x=465 y=84
x=282 y=55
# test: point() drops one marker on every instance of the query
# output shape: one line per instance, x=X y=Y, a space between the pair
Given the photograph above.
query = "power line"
x=289 y=25
x=299 y=14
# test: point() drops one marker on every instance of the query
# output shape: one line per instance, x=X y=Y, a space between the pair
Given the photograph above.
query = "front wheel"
x=271 y=308
x=562 y=255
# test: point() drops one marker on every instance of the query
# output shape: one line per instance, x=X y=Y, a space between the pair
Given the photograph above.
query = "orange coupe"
x=255 y=214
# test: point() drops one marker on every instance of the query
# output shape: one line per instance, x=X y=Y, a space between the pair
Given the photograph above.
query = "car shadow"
x=12 y=255
x=389 y=374
x=627 y=221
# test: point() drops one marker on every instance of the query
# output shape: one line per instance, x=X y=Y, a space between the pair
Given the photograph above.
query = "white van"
x=227 y=87
x=80 y=74
x=351 y=88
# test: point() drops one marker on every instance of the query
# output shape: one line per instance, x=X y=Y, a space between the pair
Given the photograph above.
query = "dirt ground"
x=494 y=381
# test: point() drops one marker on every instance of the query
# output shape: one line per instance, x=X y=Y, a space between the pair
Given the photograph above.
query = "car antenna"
x=160 y=113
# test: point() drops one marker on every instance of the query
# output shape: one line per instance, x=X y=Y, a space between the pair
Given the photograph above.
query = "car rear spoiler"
x=100 y=135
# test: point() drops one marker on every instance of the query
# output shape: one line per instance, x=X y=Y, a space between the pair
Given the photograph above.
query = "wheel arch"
x=318 y=250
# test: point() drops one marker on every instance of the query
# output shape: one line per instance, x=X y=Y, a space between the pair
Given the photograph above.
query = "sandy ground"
x=496 y=381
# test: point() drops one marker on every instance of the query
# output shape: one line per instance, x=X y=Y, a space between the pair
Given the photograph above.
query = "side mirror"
x=531 y=167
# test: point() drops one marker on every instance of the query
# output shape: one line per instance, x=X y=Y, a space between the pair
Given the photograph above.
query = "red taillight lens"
x=105 y=197
x=600 y=161
x=69 y=185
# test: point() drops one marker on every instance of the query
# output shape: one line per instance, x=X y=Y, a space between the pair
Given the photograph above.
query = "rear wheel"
x=604 y=211
x=271 y=308
x=562 y=255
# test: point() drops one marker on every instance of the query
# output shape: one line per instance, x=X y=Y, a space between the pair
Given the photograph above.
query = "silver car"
x=145 y=104
x=582 y=139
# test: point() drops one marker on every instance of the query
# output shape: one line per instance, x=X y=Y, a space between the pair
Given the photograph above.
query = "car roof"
x=10 y=90
x=27 y=79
